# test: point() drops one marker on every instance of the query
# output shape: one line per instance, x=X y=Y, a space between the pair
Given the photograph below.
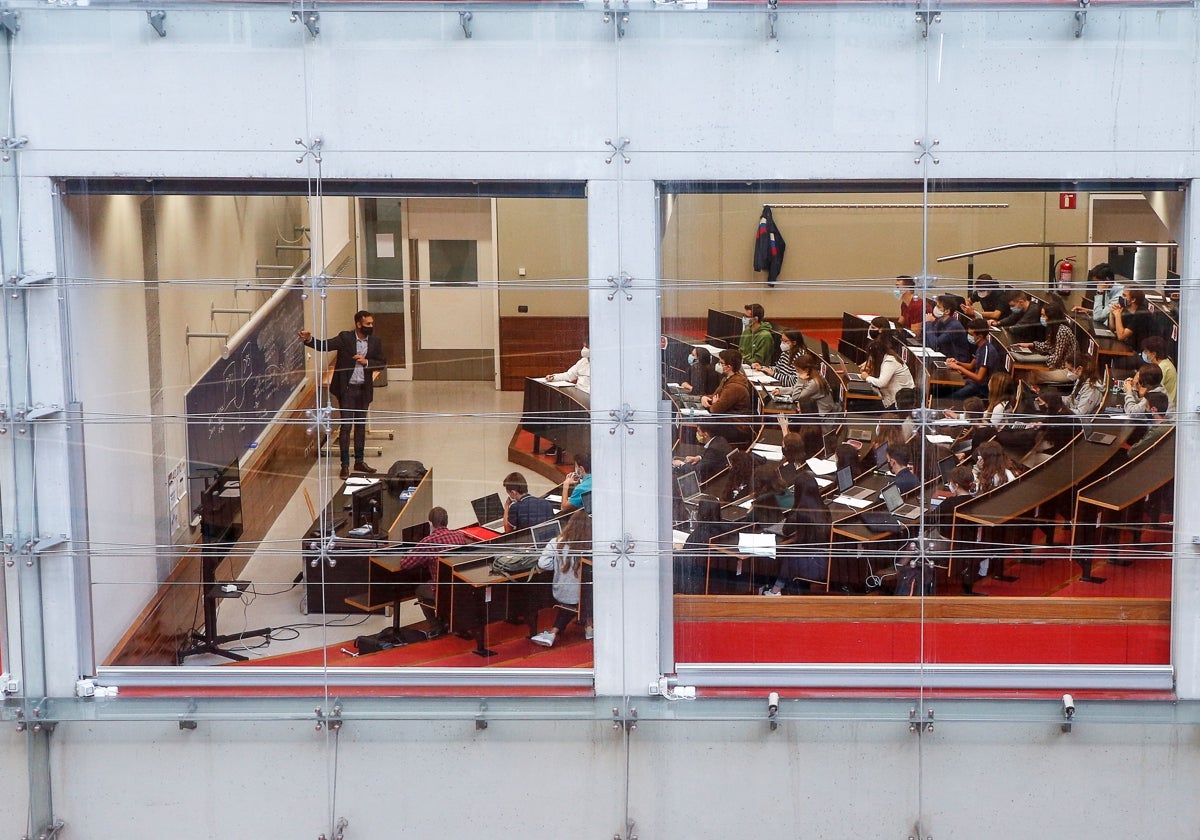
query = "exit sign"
x=1066 y=201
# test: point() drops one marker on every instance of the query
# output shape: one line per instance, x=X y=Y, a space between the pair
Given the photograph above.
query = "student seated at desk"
x=885 y=370
x=424 y=557
x=577 y=483
x=1088 y=391
x=808 y=385
x=960 y=489
x=580 y=373
x=691 y=562
x=992 y=467
x=1107 y=290
x=899 y=458
x=564 y=554
x=1147 y=378
x=1024 y=320
x=795 y=454
x=791 y=349
x=703 y=378
x=988 y=359
x=988 y=301
x=522 y=510
x=732 y=398
x=713 y=455
x=945 y=333
x=1154 y=352
x=1058 y=347
x=807 y=531
x=1001 y=399
x=756 y=344
x=912 y=308
x=1132 y=323
x=1160 y=423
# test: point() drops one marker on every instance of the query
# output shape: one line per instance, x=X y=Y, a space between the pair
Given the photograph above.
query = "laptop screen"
x=881 y=455
x=543 y=533
x=488 y=508
x=831 y=444
x=689 y=485
x=845 y=479
x=892 y=498
x=945 y=466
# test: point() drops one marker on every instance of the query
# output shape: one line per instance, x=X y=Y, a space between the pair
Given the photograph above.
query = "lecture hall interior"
x=783 y=397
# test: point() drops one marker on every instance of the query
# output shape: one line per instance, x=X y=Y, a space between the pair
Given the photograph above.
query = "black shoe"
x=345 y=473
x=364 y=467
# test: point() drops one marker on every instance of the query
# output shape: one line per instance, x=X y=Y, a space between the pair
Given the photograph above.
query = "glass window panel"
x=1047 y=539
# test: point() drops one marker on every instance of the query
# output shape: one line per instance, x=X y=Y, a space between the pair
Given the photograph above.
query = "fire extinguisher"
x=1064 y=275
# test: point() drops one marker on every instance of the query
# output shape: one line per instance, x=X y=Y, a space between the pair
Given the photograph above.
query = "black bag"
x=404 y=474
x=909 y=582
x=385 y=639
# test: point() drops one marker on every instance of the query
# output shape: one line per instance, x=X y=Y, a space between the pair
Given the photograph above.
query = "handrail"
x=1012 y=245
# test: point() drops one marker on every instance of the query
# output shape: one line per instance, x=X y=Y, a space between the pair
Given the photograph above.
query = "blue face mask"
x=691 y=360
x=1045 y=323
x=897 y=292
x=1146 y=358
x=745 y=322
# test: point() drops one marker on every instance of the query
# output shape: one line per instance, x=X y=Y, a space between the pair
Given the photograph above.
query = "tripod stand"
x=212 y=592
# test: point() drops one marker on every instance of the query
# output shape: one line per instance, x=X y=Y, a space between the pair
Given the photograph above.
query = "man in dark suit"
x=712 y=458
x=359 y=355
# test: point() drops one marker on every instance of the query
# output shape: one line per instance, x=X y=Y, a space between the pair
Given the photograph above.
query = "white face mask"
x=719 y=368
x=785 y=347
x=938 y=312
x=584 y=353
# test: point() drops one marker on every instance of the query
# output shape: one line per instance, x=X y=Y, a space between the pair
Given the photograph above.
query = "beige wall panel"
x=548 y=238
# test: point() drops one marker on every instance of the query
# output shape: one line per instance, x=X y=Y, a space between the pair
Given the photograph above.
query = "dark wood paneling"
x=537 y=345
x=160 y=630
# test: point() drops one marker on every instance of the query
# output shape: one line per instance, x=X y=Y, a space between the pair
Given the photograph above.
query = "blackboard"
x=240 y=396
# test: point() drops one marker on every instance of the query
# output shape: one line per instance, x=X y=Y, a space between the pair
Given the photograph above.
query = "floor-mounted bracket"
x=1081 y=18
x=915 y=725
x=157 y=20
x=621 y=17
x=311 y=19
x=10 y=22
x=926 y=18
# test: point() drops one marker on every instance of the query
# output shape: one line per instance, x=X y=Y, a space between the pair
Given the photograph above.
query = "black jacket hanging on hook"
x=768 y=247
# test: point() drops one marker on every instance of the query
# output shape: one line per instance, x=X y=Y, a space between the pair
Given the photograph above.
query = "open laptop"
x=945 y=466
x=489 y=511
x=896 y=504
x=541 y=534
x=689 y=488
x=831 y=444
x=847 y=487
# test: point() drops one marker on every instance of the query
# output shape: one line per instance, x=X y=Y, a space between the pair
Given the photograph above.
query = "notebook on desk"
x=489 y=511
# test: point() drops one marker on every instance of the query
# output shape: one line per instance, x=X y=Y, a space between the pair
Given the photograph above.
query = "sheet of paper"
x=821 y=467
x=762 y=545
x=823 y=482
x=858 y=504
x=939 y=438
x=678 y=538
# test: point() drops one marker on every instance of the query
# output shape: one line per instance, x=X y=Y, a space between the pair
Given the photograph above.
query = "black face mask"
x=366 y=331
